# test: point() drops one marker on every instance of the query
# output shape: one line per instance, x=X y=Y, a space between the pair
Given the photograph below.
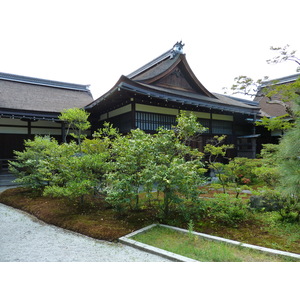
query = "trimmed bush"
x=225 y=209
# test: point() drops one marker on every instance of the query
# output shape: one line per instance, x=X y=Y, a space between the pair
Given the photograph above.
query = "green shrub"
x=241 y=170
x=226 y=209
x=32 y=165
x=273 y=200
x=267 y=200
x=267 y=175
x=78 y=176
x=162 y=161
x=290 y=210
x=132 y=155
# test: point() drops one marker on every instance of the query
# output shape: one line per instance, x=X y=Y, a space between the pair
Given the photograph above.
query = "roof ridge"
x=171 y=53
x=280 y=80
x=151 y=63
x=44 y=82
x=247 y=101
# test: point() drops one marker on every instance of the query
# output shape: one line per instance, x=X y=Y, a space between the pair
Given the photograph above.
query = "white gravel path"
x=24 y=238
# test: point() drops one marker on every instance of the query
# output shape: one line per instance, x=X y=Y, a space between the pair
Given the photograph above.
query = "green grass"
x=197 y=248
x=276 y=227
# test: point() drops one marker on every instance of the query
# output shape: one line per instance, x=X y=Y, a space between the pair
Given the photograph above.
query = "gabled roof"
x=170 y=78
x=170 y=70
x=21 y=93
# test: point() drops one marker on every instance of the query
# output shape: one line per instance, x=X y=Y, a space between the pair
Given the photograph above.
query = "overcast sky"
x=95 y=42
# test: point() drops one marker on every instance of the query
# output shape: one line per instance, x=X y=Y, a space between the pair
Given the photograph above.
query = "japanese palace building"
x=148 y=98
x=153 y=96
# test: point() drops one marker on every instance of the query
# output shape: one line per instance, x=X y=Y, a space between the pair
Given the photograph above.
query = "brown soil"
x=100 y=221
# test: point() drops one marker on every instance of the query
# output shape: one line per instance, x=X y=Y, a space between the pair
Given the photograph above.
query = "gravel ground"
x=24 y=238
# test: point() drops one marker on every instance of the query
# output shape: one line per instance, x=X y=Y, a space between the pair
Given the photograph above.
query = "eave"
x=29 y=115
x=166 y=95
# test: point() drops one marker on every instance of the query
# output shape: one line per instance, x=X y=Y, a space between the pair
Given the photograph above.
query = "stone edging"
x=175 y=257
x=153 y=250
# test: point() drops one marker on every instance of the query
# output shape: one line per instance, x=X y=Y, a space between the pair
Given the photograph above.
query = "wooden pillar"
x=254 y=129
x=210 y=129
x=28 y=127
x=133 y=116
x=63 y=132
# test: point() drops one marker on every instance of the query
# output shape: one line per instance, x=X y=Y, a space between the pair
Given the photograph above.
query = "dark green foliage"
x=162 y=171
x=176 y=169
x=241 y=170
x=267 y=200
x=289 y=164
x=78 y=176
x=216 y=151
x=225 y=209
x=161 y=162
x=126 y=176
x=77 y=121
x=32 y=165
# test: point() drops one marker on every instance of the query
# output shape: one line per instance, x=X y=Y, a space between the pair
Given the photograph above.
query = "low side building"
x=271 y=107
x=30 y=106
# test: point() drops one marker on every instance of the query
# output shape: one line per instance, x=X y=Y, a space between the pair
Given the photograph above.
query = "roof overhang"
x=168 y=95
x=29 y=115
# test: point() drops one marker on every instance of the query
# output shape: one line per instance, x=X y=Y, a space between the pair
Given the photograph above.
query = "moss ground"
x=98 y=220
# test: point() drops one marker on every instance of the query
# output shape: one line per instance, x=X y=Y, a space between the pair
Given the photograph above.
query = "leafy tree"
x=31 y=166
x=287 y=92
x=216 y=149
x=163 y=161
x=288 y=151
x=77 y=176
x=284 y=54
x=289 y=169
x=80 y=175
x=281 y=123
x=77 y=120
x=106 y=134
x=268 y=173
x=188 y=129
x=132 y=154
x=177 y=169
x=240 y=173
x=245 y=85
x=288 y=154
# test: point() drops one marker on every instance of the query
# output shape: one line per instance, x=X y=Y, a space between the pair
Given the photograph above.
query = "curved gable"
x=170 y=70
